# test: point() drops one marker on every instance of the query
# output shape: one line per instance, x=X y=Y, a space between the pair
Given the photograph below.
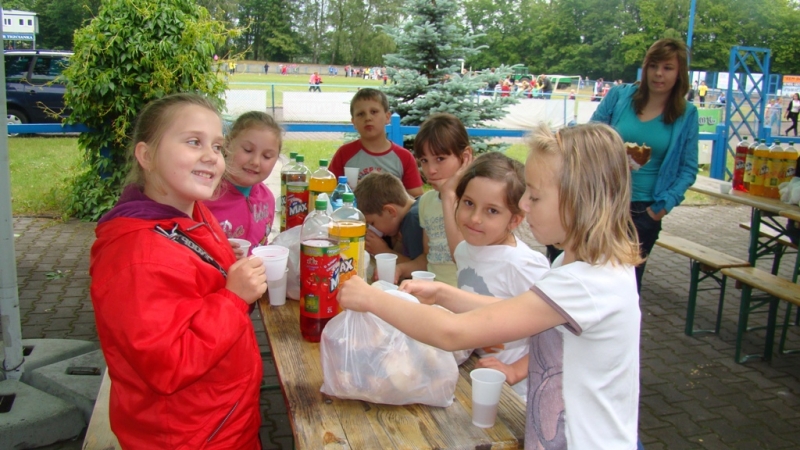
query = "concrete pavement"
x=692 y=393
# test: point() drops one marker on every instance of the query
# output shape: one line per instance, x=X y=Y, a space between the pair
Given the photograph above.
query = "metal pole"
x=690 y=34
x=12 y=365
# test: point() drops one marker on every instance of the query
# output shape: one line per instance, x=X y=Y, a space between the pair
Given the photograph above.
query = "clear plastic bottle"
x=319 y=273
x=350 y=229
x=321 y=181
x=284 y=174
x=341 y=188
x=774 y=171
x=296 y=205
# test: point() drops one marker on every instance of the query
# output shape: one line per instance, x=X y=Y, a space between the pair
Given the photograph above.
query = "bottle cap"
x=323 y=162
x=300 y=158
x=348 y=197
x=321 y=204
x=292 y=155
x=342 y=179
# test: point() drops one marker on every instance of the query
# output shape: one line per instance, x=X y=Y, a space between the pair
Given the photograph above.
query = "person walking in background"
x=701 y=92
x=774 y=116
x=655 y=113
x=314 y=81
x=792 y=112
x=266 y=68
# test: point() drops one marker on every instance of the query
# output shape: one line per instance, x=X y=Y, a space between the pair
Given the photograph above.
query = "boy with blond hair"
x=389 y=209
x=374 y=152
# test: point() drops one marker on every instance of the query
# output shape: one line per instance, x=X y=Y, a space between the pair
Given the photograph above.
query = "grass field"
x=41 y=168
x=275 y=85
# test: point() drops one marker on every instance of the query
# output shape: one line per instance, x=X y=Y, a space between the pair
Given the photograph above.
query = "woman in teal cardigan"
x=655 y=113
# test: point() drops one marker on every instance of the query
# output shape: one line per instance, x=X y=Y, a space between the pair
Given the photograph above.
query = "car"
x=35 y=85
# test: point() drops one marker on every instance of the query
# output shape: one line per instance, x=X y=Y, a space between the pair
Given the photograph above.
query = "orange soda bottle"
x=760 y=168
x=350 y=229
x=748 y=164
x=284 y=177
x=790 y=157
x=774 y=172
x=321 y=181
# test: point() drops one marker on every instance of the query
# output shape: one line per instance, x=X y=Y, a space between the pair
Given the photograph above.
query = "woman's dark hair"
x=663 y=50
x=444 y=134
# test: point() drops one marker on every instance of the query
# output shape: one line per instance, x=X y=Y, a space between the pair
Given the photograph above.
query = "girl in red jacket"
x=170 y=299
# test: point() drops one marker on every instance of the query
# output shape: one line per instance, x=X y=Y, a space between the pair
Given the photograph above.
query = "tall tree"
x=132 y=52
x=426 y=68
x=58 y=20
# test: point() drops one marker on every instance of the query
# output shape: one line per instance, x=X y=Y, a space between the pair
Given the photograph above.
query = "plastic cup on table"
x=486 y=387
x=725 y=188
x=243 y=244
x=352 y=176
x=385 y=264
x=423 y=275
x=275 y=258
x=277 y=290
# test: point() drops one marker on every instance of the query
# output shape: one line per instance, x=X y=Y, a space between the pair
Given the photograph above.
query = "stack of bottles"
x=760 y=170
x=331 y=248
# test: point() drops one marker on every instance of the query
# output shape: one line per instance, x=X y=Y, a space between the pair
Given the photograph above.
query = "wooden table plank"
x=710 y=186
x=319 y=421
x=99 y=435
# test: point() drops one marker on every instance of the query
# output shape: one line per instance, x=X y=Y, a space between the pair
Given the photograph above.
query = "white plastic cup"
x=725 y=188
x=277 y=290
x=352 y=176
x=377 y=232
x=385 y=263
x=486 y=387
x=243 y=244
x=423 y=275
x=275 y=258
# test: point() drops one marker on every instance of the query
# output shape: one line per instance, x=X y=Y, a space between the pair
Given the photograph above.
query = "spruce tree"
x=426 y=71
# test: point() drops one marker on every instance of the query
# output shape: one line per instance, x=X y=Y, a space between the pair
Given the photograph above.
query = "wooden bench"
x=706 y=261
x=771 y=243
x=777 y=289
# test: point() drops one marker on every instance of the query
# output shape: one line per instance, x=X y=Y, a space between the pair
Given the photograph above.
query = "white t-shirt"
x=583 y=377
x=431 y=219
x=501 y=271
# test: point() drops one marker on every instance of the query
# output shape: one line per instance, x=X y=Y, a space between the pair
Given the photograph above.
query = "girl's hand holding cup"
x=247 y=279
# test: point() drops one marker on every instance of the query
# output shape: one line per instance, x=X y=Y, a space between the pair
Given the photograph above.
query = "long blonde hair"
x=594 y=188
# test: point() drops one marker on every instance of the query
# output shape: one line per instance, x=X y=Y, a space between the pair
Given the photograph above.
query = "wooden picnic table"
x=319 y=421
x=99 y=435
x=764 y=212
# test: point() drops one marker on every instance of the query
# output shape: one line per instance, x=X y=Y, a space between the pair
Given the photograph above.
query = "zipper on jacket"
x=219 y=427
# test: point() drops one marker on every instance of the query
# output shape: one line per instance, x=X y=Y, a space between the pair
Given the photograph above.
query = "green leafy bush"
x=132 y=52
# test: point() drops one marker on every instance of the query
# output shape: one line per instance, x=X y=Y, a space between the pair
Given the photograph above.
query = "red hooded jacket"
x=180 y=347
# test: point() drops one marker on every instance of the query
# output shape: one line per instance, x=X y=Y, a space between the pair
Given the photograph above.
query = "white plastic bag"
x=365 y=358
x=291 y=240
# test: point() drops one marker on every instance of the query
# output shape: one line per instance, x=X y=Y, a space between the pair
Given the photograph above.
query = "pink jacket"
x=244 y=217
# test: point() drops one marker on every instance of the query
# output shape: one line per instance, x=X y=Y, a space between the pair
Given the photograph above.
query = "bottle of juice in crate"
x=350 y=229
x=319 y=273
x=297 y=194
x=760 y=168
x=748 y=164
x=740 y=160
x=791 y=155
x=321 y=181
x=284 y=173
x=775 y=171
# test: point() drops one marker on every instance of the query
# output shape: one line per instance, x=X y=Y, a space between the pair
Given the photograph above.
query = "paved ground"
x=692 y=393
